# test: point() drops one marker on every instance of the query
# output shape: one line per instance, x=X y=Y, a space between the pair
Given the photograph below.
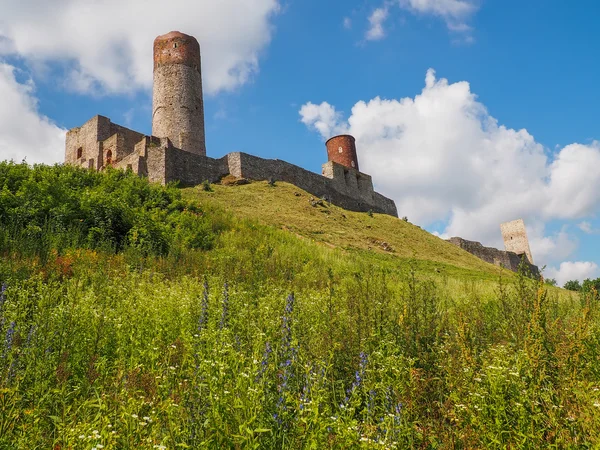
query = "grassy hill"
x=139 y=316
x=288 y=208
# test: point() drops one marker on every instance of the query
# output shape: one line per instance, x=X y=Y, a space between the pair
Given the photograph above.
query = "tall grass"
x=262 y=340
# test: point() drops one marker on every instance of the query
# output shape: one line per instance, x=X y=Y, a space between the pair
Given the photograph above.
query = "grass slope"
x=286 y=207
x=247 y=318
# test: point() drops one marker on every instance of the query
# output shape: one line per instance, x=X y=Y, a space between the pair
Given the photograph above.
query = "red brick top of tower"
x=342 y=150
x=176 y=48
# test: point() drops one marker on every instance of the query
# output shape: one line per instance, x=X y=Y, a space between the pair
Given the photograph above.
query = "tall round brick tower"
x=342 y=150
x=177 y=105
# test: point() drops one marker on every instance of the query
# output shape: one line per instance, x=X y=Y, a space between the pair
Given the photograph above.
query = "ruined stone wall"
x=127 y=140
x=515 y=238
x=95 y=138
x=162 y=162
x=85 y=140
x=191 y=169
x=336 y=190
x=506 y=259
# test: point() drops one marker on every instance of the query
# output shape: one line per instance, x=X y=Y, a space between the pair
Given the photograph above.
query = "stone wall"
x=95 y=138
x=337 y=190
x=506 y=259
x=162 y=162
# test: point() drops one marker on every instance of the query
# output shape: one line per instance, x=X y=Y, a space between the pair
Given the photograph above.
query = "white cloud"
x=322 y=118
x=455 y=13
x=442 y=157
x=347 y=23
x=107 y=46
x=588 y=228
x=23 y=131
x=568 y=271
x=376 y=21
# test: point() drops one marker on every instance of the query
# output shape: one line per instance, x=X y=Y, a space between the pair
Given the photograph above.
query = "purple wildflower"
x=8 y=340
x=225 y=314
x=358 y=376
x=265 y=362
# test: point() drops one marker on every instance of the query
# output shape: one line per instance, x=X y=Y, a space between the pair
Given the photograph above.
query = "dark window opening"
x=109 y=158
x=175 y=45
x=79 y=152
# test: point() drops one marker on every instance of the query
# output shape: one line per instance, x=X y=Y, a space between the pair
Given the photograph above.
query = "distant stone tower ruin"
x=342 y=150
x=177 y=103
x=515 y=238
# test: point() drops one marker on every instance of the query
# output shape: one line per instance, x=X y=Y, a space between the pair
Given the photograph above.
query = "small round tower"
x=342 y=150
x=177 y=104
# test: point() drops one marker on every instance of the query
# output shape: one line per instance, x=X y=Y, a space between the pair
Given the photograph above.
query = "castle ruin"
x=515 y=242
x=176 y=151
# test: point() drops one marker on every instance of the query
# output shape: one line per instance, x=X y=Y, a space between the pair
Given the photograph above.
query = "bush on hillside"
x=57 y=207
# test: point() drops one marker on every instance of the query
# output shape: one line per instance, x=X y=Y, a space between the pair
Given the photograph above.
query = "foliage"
x=269 y=341
x=573 y=285
x=60 y=207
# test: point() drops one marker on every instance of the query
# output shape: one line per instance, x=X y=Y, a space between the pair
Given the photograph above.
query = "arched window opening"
x=79 y=152
x=108 y=158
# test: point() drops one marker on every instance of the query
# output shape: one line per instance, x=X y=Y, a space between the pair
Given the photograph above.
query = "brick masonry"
x=342 y=150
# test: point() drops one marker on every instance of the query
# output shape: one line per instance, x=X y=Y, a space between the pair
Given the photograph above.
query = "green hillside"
x=286 y=207
x=136 y=316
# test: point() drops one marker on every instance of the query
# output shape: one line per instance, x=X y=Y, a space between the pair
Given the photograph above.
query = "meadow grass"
x=274 y=338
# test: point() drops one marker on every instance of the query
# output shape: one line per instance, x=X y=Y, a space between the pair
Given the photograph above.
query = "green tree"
x=573 y=285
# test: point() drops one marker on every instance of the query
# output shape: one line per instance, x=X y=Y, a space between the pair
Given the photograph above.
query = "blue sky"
x=468 y=113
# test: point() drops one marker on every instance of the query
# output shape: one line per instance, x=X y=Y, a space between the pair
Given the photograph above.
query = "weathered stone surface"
x=506 y=259
x=515 y=238
x=177 y=102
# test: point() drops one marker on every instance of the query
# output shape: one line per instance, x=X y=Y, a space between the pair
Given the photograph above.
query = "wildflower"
x=8 y=341
x=225 y=314
x=135 y=416
x=2 y=296
x=597 y=405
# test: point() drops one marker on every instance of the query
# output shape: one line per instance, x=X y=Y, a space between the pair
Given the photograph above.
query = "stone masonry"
x=507 y=259
x=176 y=150
x=515 y=238
x=177 y=102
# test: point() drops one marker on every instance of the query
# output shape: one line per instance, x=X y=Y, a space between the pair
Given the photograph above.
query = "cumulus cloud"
x=107 y=46
x=569 y=270
x=322 y=118
x=442 y=157
x=376 y=21
x=23 y=130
